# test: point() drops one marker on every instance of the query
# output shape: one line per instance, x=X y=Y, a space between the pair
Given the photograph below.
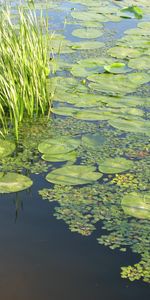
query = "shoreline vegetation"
x=24 y=67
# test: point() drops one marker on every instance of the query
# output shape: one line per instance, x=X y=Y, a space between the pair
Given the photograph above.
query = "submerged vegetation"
x=24 y=67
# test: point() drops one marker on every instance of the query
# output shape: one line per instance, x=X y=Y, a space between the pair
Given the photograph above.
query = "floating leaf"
x=69 y=156
x=117 y=68
x=131 y=125
x=115 y=165
x=87 y=33
x=6 y=148
x=74 y=175
x=137 y=205
x=141 y=63
x=13 y=182
x=118 y=84
x=64 y=111
x=124 y=52
x=59 y=145
x=87 y=45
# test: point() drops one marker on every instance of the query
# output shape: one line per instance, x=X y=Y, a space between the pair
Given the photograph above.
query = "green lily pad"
x=91 y=115
x=124 y=52
x=69 y=156
x=13 y=182
x=137 y=205
x=74 y=175
x=117 y=68
x=138 y=125
x=87 y=45
x=135 y=42
x=94 y=15
x=126 y=101
x=138 y=31
x=6 y=148
x=65 y=111
x=115 y=165
x=59 y=145
x=88 y=15
x=141 y=63
x=118 y=84
x=93 y=141
x=87 y=33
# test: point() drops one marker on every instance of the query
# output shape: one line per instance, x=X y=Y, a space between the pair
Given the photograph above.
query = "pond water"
x=76 y=225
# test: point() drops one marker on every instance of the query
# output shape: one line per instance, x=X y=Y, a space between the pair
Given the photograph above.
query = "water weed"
x=23 y=67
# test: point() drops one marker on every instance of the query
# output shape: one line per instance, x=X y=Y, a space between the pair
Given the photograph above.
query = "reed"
x=24 y=67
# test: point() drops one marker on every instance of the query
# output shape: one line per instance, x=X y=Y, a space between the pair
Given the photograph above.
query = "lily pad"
x=138 y=125
x=87 y=33
x=59 y=145
x=137 y=205
x=141 y=63
x=6 y=148
x=64 y=111
x=74 y=175
x=87 y=45
x=118 y=84
x=124 y=52
x=13 y=182
x=69 y=156
x=115 y=165
x=117 y=68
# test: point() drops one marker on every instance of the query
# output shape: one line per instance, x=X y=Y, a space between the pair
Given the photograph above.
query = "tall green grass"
x=24 y=67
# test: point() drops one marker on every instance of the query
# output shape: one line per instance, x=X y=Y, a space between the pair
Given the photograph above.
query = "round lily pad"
x=60 y=145
x=117 y=68
x=64 y=111
x=141 y=63
x=74 y=175
x=87 y=33
x=13 y=182
x=115 y=165
x=6 y=148
x=137 y=205
x=124 y=52
x=69 y=156
x=131 y=125
x=88 y=45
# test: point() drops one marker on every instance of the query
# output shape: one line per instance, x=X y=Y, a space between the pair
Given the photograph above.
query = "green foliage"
x=23 y=67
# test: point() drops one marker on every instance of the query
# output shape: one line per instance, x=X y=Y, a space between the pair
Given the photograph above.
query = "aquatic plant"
x=23 y=67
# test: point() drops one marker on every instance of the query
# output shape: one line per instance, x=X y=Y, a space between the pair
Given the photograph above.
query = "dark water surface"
x=41 y=259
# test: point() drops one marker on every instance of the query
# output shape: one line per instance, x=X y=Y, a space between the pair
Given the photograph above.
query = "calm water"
x=40 y=257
